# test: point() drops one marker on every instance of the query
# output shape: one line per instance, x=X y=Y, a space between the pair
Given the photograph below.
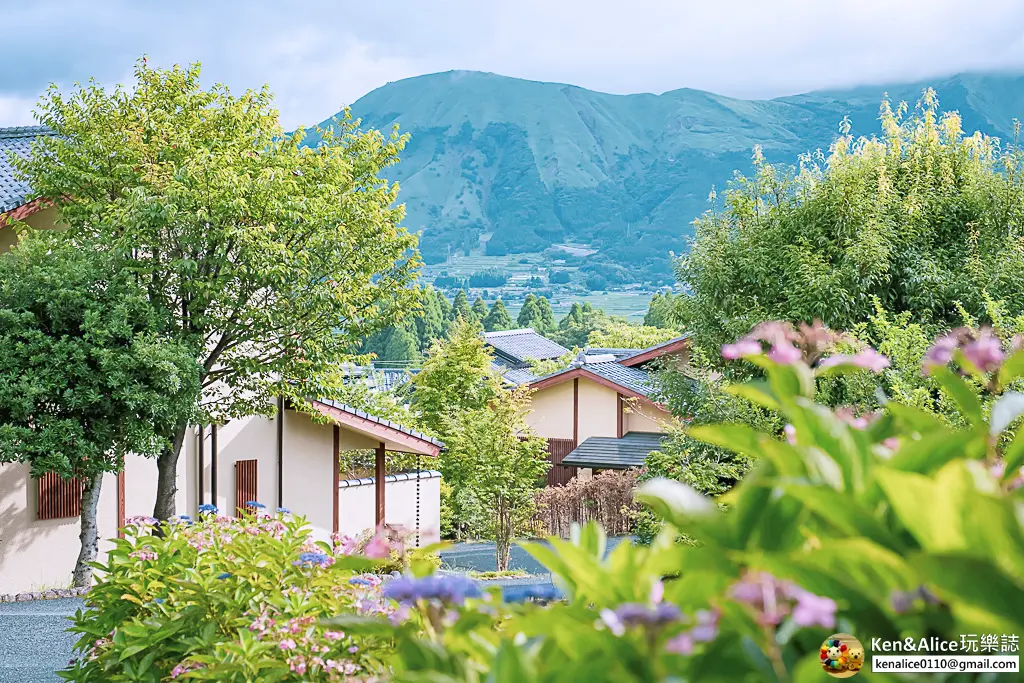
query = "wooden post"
x=201 y=465
x=379 y=483
x=576 y=411
x=120 y=502
x=337 y=474
x=618 y=416
x=213 y=465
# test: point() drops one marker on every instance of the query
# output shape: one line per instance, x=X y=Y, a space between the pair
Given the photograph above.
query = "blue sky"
x=318 y=56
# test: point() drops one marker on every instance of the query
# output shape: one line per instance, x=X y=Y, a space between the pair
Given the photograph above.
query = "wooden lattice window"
x=245 y=484
x=560 y=475
x=58 y=498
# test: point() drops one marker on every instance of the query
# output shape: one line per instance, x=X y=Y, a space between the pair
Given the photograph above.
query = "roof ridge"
x=25 y=132
x=509 y=333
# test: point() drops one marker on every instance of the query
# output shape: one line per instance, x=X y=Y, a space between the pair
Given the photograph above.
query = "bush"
x=895 y=526
x=229 y=599
x=606 y=498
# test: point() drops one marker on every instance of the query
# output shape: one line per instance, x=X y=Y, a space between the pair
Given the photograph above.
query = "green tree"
x=455 y=378
x=401 y=344
x=621 y=335
x=276 y=257
x=504 y=462
x=86 y=375
x=445 y=308
x=661 y=311
x=498 y=318
x=921 y=218
x=430 y=322
x=530 y=315
x=579 y=323
x=479 y=310
x=460 y=307
x=547 y=316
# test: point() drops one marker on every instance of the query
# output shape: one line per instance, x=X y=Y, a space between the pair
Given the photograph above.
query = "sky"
x=319 y=56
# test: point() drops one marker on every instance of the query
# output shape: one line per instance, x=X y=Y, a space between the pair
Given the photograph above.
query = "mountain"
x=518 y=166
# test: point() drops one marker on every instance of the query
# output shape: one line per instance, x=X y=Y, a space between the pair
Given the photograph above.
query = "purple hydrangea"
x=449 y=589
x=772 y=600
x=313 y=560
x=638 y=615
x=704 y=630
x=985 y=352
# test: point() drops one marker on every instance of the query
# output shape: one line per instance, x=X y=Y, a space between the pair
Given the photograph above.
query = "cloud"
x=321 y=54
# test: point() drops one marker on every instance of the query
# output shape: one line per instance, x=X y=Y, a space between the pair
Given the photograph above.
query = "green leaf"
x=1012 y=368
x=996 y=600
x=1014 y=456
x=509 y=666
x=736 y=437
x=935 y=449
x=965 y=397
x=354 y=623
x=757 y=392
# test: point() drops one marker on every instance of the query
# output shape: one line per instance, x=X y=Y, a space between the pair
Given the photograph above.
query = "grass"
x=507 y=574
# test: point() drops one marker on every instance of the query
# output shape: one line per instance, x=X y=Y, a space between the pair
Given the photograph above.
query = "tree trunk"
x=167 y=474
x=82 y=575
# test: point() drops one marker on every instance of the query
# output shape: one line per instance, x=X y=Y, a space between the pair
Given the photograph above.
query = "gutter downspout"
x=280 y=451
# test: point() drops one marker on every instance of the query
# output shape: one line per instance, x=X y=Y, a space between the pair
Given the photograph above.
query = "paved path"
x=35 y=643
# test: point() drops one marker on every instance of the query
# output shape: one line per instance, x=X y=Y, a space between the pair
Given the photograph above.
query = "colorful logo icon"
x=842 y=655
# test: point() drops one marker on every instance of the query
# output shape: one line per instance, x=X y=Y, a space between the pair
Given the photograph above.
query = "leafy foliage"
x=923 y=219
x=225 y=599
x=622 y=335
x=86 y=376
x=271 y=258
x=901 y=527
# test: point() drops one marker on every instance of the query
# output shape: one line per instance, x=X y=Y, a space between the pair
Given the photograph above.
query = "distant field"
x=625 y=304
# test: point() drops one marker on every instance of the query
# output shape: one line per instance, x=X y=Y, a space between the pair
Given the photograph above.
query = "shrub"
x=893 y=526
x=228 y=599
x=606 y=498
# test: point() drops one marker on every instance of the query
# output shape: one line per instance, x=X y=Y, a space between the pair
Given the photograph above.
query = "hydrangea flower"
x=867 y=358
x=143 y=554
x=449 y=589
x=638 y=615
x=982 y=349
x=742 y=347
x=255 y=505
x=207 y=508
x=284 y=511
x=772 y=600
x=313 y=559
x=224 y=575
x=704 y=630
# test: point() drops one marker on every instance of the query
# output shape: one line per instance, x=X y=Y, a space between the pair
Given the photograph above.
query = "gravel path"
x=35 y=643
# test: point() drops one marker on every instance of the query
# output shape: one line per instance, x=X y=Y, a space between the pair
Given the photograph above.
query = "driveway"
x=35 y=643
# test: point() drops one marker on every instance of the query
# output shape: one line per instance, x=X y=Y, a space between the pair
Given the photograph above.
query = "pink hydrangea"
x=743 y=347
x=143 y=554
x=784 y=353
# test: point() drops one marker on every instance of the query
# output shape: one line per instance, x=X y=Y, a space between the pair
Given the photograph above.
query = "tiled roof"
x=401 y=476
x=520 y=376
x=617 y=454
x=379 y=379
x=380 y=421
x=632 y=378
x=16 y=141
x=618 y=353
x=521 y=345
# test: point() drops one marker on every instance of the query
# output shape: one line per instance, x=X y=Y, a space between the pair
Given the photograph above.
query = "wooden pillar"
x=201 y=466
x=280 y=451
x=213 y=465
x=618 y=415
x=576 y=411
x=337 y=474
x=378 y=483
x=120 y=502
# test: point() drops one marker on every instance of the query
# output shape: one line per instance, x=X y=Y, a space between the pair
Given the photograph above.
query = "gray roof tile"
x=616 y=454
x=379 y=420
x=632 y=378
x=524 y=344
x=18 y=142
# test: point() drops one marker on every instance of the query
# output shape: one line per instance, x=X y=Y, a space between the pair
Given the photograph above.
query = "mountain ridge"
x=520 y=165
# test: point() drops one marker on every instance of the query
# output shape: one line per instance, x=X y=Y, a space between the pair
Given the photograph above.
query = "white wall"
x=38 y=554
x=357 y=505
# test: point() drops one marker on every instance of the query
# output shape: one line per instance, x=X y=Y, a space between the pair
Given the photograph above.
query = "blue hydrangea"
x=540 y=592
x=447 y=589
x=313 y=560
x=254 y=504
x=284 y=511
x=207 y=508
x=359 y=581
x=225 y=575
